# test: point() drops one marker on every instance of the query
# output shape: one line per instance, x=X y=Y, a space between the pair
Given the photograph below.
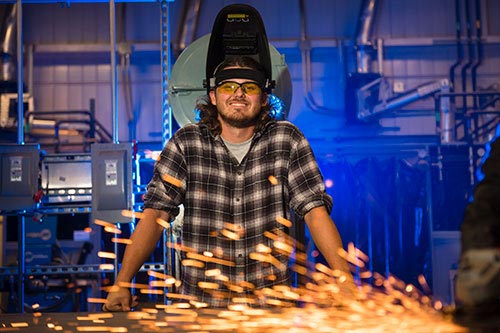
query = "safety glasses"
x=230 y=87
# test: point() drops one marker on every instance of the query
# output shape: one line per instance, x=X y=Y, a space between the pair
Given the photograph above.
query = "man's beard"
x=240 y=122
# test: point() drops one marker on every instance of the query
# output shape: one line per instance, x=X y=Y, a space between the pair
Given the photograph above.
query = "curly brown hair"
x=208 y=113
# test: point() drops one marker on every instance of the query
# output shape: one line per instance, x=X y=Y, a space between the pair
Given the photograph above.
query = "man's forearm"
x=327 y=238
x=144 y=239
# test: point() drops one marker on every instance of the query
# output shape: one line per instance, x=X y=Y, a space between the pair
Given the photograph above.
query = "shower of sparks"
x=327 y=304
x=386 y=305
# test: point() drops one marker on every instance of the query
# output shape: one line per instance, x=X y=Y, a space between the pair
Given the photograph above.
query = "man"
x=238 y=172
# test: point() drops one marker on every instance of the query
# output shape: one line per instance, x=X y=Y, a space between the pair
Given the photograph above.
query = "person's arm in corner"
x=144 y=239
x=327 y=238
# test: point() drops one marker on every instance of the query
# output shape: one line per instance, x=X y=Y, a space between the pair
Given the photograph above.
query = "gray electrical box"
x=19 y=176
x=111 y=181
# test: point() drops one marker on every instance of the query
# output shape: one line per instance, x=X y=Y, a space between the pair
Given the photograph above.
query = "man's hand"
x=119 y=300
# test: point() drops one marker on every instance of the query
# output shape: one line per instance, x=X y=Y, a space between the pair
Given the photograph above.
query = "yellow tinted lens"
x=228 y=87
x=251 y=88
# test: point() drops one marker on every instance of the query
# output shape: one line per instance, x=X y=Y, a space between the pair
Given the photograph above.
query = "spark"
x=282 y=246
x=181 y=296
x=163 y=223
x=180 y=247
x=263 y=249
x=172 y=180
x=161 y=284
x=107 y=255
x=112 y=230
x=273 y=180
x=208 y=285
x=96 y=300
x=151 y=291
x=192 y=263
x=351 y=257
x=121 y=240
x=201 y=257
x=267 y=258
x=162 y=276
x=133 y=285
x=208 y=254
x=284 y=221
x=104 y=223
x=230 y=234
x=106 y=267
x=212 y=272
x=131 y=214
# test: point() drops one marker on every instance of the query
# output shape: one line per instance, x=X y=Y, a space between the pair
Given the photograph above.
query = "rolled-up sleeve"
x=306 y=185
x=167 y=187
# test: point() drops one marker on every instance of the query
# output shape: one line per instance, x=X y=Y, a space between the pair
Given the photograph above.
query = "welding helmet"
x=238 y=30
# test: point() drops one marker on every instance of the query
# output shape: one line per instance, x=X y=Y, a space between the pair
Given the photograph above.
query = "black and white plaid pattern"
x=216 y=190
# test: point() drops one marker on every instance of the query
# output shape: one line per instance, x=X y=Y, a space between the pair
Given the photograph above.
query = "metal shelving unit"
x=22 y=271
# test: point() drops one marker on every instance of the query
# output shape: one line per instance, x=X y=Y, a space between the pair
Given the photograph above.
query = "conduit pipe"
x=468 y=64
x=187 y=32
x=459 y=46
x=8 y=39
x=479 y=49
x=305 y=50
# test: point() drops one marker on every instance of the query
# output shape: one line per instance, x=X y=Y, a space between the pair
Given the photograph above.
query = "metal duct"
x=8 y=40
x=363 y=34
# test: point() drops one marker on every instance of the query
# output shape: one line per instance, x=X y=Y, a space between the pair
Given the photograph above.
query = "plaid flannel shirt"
x=219 y=195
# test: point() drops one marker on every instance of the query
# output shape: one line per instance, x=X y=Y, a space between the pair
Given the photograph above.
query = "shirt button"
x=237 y=199
x=239 y=173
